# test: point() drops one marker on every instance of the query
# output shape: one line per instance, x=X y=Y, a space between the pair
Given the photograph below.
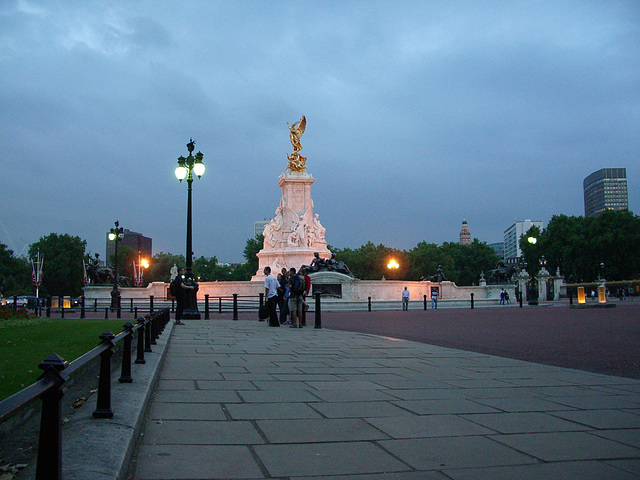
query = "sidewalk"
x=240 y=400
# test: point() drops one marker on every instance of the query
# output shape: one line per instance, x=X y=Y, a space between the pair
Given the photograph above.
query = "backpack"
x=297 y=285
x=173 y=289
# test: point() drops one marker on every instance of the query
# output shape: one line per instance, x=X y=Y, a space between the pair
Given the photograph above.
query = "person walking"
x=434 y=300
x=296 y=290
x=405 y=299
x=271 y=294
x=177 y=289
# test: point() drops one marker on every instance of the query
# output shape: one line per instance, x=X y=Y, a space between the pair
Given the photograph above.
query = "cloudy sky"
x=419 y=115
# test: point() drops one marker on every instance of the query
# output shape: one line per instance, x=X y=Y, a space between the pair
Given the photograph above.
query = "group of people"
x=406 y=296
x=504 y=297
x=287 y=293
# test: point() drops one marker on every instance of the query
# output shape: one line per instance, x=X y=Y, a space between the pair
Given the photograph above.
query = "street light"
x=185 y=169
x=138 y=271
x=115 y=235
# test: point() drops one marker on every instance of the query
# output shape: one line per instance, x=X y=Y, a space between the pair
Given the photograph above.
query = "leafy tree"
x=160 y=267
x=63 y=254
x=578 y=245
x=251 y=249
x=424 y=259
x=15 y=274
x=532 y=251
x=369 y=262
x=209 y=270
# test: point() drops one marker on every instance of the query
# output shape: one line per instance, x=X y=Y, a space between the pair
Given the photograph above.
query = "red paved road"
x=597 y=340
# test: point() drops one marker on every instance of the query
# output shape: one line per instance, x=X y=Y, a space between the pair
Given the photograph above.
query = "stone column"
x=543 y=276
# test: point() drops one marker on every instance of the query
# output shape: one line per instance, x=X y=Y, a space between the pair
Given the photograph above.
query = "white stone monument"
x=292 y=237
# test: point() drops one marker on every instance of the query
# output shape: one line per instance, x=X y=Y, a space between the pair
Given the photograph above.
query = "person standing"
x=405 y=299
x=307 y=288
x=296 y=290
x=282 y=291
x=177 y=289
x=434 y=300
x=271 y=294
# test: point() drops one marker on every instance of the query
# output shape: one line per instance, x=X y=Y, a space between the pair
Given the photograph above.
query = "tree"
x=369 y=262
x=209 y=270
x=160 y=267
x=251 y=249
x=578 y=246
x=15 y=276
x=63 y=254
x=531 y=243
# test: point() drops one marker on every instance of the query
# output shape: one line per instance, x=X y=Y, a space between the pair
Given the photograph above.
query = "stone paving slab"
x=238 y=400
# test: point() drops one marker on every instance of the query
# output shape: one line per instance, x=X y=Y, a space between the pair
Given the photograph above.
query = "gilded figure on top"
x=297 y=163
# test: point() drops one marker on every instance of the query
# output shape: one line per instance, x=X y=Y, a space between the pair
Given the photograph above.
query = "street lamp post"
x=138 y=271
x=185 y=169
x=115 y=235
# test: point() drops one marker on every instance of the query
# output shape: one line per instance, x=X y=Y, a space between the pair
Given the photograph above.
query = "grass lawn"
x=25 y=341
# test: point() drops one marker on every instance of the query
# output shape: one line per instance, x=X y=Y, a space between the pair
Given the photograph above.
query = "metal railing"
x=56 y=371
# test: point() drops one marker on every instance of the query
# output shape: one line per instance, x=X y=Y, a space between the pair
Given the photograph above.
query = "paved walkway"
x=240 y=400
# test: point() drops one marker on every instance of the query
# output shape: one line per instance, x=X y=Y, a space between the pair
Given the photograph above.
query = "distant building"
x=133 y=240
x=512 y=236
x=258 y=227
x=465 y=234
x=498 y=248
x=605 y=189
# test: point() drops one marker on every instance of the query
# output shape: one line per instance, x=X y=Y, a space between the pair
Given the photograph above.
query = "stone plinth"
x=292 y=237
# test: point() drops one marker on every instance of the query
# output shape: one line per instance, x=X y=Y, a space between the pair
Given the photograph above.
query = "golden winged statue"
x=297 y=162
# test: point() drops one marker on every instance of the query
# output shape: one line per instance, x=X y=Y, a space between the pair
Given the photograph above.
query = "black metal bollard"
x=471 y=300
x=570 y=296
x=140 y=350
x=154 y=329
x=147 y=333
x=106 y=313
x=206 y=306
x=83 y=311
x=125 y=373
x=150 y=303
x=219 y=304
x=318 y=312
x=61 y=305
x=95 y=305
x=119 y=307
x=520 y=299
x=369 y=307
x=235 y=306
x=48 y=309
x=425 y=302
x=131 y=308
x=49 y=464
x=103 y=407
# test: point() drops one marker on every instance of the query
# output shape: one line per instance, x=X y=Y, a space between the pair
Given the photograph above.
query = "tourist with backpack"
x=297 y=288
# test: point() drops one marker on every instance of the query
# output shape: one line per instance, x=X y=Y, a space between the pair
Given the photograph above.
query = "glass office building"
x=605 y=189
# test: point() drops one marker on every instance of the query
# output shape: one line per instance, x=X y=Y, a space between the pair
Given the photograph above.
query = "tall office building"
x=605 y=189
x=134 y=240
x=512 y=251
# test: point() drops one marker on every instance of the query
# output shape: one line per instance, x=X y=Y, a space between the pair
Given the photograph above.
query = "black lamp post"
x=186 y=168
x=115 y=235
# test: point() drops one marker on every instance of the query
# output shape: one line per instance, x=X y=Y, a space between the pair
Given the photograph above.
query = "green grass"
x=26 y=340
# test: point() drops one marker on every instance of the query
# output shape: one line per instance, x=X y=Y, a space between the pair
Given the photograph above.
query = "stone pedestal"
x=292 y=237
